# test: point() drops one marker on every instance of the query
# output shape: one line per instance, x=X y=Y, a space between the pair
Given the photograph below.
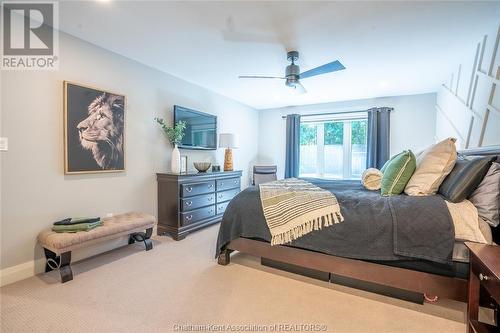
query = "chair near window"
x=264 y=174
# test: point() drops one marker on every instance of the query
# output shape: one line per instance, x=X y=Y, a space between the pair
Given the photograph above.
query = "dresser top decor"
x=198 y=174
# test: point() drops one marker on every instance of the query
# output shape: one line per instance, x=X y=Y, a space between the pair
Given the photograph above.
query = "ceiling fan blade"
x=299 y=88
x=260 y=77
x=326 y=68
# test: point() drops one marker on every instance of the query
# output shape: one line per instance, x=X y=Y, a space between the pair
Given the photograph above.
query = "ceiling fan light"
x=296 y=91
x=298 y=88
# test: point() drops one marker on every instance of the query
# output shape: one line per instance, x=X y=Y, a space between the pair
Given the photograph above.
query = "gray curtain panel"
x=292 y=145
x=378 y=137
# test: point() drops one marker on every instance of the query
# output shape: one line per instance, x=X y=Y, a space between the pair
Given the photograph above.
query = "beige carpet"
x=179 y=283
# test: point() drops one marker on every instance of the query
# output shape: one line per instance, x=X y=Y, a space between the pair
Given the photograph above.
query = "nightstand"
x=484 y=271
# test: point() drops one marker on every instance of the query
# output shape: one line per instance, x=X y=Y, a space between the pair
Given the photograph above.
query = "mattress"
x=460 y=251
x=244 y=218
x=459 y=267
x=401 y=228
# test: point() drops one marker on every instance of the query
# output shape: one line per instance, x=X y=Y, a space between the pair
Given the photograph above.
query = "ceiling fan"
x=293 y=74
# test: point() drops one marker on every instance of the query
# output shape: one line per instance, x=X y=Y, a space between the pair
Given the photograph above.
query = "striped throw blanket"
x=293 y=207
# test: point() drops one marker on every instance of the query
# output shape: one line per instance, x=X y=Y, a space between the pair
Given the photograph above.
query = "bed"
x=388 y=245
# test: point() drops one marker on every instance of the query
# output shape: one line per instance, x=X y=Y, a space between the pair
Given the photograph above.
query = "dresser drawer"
x=228 y=183
x=188 y=190
x=221 y=208
x=486 y=277
x=197 y=201
x=227 y=195
x=197 y=215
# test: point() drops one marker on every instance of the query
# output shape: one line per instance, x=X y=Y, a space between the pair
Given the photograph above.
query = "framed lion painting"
x=94 y=130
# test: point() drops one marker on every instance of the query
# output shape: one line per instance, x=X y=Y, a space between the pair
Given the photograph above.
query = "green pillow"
x=386 y=164
x=397 y=172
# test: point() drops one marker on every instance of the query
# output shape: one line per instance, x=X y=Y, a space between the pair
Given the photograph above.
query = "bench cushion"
x=113 y=227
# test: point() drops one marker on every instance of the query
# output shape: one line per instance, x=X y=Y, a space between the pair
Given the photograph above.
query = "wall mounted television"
x=201 y=129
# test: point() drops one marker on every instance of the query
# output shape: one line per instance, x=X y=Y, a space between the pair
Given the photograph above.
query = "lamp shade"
x=228 y=140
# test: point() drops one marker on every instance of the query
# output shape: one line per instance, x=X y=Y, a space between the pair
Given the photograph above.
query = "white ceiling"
x=389 y=48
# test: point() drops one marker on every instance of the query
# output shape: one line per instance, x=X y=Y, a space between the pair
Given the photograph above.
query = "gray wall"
x=468 y=104
x=412 y=124
x=34 y=189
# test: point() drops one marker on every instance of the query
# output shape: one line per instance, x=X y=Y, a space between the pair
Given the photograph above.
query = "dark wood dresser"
x=190 y=201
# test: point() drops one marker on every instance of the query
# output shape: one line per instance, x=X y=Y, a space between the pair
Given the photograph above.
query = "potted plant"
x=174 y=135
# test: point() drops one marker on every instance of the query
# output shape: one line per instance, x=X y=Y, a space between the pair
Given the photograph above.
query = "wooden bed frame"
x=389 y=276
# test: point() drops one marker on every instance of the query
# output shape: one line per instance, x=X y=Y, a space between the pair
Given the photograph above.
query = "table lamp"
x=228 y=141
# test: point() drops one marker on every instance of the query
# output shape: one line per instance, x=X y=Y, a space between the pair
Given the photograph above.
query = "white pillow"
x=466 y=222
x=372 y=179
x=433 y=165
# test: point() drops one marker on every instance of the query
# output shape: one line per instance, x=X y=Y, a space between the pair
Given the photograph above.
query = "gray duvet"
x=375 y=227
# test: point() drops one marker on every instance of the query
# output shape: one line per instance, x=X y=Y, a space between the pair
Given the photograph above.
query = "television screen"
x=201 y=128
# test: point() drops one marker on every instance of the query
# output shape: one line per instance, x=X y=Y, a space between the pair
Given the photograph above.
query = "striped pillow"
x=397 y=173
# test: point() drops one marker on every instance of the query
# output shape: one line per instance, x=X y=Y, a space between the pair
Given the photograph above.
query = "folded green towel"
x=76 y=227
x=77 y=220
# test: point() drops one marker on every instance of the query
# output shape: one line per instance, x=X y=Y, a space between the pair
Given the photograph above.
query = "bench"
x=58 y=246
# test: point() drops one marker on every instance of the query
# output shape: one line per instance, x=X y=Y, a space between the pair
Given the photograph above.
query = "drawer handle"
x=210 y=198
x=236 y=182
x=189 y=217
x=221 y=183
x=221 y=196
x=210 y=185
x=189 y=203
x=483 y=277
x=211 y=211
x=189 y=189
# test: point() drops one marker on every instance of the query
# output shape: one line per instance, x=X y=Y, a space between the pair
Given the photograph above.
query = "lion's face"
x=102 y=131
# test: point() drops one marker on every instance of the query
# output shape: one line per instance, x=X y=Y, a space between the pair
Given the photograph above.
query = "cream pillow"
x=466 y=222
x=433 y=165
x=372 y=179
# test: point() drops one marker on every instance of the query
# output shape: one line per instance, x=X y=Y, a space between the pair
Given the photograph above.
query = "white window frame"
x=346 y=119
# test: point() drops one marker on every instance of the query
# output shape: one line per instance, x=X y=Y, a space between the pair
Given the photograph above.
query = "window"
x=333 y=147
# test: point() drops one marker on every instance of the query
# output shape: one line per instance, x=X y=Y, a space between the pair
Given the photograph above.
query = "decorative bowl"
x=202 y=166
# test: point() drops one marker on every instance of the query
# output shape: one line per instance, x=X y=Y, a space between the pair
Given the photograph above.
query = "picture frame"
x=94 y=130
x=184 y=164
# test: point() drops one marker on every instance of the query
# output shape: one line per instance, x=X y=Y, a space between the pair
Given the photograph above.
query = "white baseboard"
x=31 y=268
x=20 y=272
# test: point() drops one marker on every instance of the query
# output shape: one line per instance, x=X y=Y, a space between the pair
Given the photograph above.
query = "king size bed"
x=401 y=242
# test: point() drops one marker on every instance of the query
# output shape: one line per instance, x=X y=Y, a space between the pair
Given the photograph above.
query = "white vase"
x=176 y=160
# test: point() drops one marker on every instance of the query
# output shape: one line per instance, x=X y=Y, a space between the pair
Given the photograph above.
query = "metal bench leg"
x=50 y=255
x=62 y=262
x=65 y=268
x=142 y=237
x=148 y=243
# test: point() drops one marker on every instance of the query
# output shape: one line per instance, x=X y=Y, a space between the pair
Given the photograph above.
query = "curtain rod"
x=330 y=113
